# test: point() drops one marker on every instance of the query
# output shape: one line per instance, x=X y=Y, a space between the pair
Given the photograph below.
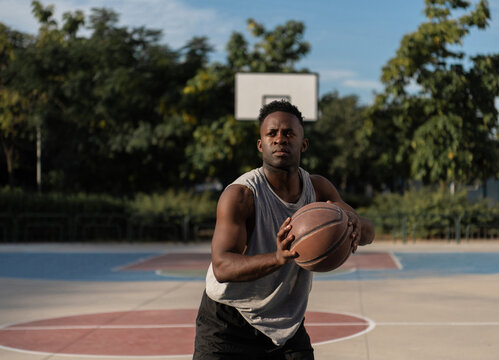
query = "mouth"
x=280 y=152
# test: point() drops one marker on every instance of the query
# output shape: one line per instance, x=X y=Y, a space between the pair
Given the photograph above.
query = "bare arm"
x=363 y=232
x=235 y=214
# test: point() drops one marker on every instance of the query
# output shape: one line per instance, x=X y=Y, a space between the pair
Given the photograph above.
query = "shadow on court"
x=389 y=301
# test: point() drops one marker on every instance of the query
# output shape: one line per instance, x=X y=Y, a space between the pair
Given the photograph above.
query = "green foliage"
x=122 y=113
x=167 y=204
x=426 y=201
x=15 y=124
x=221 y=147
x=427 y=212
x=110 y=105
x=334 y=149
x=275 y=50
x=214 y=145
x=16 y=201
x=436 y=119
x=174 y=203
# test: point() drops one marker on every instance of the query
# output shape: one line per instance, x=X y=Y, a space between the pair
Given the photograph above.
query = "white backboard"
x=253 y=90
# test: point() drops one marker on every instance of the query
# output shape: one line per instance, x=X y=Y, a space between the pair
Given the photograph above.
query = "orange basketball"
x=322 y=236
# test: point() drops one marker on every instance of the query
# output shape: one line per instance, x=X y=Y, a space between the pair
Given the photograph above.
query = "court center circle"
x=146 y=333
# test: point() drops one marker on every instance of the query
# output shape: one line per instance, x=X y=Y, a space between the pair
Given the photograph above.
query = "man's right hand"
x=284 y=240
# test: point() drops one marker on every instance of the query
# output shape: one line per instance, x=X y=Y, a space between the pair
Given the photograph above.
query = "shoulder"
x=249 y=177
x=318 y=180
x=237 y=193
x=324 y=189
x=238 y=199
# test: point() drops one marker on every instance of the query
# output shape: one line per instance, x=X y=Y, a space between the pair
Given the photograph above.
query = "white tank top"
x=274 y=304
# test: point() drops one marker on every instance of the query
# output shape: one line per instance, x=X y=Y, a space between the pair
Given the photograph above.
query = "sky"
x=350 y=40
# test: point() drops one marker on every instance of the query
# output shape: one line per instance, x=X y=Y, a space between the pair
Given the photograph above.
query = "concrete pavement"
x=450 y=317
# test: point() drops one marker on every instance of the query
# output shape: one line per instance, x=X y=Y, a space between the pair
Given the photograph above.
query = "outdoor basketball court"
x=389 y=301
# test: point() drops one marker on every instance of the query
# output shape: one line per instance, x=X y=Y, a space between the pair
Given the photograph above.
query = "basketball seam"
x=336 y=210
x=320 y=227
x=336 y=245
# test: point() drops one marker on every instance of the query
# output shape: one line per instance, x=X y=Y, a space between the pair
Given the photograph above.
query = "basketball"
x=322 y=236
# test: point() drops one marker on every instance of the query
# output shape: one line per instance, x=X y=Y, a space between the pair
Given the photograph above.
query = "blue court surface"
x=110 y=267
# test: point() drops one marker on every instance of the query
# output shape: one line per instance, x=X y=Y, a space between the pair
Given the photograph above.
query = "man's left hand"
x=354 y=222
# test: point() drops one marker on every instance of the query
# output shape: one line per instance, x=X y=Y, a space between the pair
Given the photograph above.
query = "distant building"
x=488 y=190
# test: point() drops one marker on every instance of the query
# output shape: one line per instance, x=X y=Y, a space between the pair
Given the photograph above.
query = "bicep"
x=233 y=212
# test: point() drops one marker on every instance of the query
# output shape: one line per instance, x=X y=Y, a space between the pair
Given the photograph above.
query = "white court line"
x=323 y=324
x=83 y=327
x=396 y=261
x=370 y=326
x=11 y=327
x=152 y=326
x=408 y=323
x=94 y=356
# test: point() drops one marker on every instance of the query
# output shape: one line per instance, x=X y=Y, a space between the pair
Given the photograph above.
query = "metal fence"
x=450 y=227
x=58 y=227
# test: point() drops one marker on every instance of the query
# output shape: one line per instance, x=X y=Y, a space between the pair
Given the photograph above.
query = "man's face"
x=281 y=140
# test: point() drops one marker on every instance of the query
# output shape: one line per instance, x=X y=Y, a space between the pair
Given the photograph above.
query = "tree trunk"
x=8 y=151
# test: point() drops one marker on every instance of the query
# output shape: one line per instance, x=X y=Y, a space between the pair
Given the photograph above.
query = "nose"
x=280 y=138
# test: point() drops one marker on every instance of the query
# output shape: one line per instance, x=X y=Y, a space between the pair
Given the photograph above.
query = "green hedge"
x=429 y=213
x=16 y=201
x=174 y=203
x=427 y=200
x=423 y=213
x=169 y=203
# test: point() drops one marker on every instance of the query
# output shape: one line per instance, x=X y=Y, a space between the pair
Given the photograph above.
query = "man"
x=256 y=296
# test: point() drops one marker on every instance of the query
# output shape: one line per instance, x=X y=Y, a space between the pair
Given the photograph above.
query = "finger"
x=285 y=224
x=290 y=254
x=354 y=238
x=284 y=230
x=355 y=244
x=286 y=242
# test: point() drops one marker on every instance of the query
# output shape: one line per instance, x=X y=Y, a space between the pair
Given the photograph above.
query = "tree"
x=221 y=147
x=15 y=129
x=334 y=149
x=275 y=50
x=38 y=70
x=15 y=125
x=110 y=104
x=436 y=116
x=121 y=113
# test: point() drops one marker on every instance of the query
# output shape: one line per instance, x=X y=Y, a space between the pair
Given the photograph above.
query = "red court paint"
x=172 y=261
x=201 y=261
x=145 y=333
x=372 y=261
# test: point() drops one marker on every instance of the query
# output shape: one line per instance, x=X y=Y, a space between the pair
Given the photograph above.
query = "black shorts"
x=222 y=333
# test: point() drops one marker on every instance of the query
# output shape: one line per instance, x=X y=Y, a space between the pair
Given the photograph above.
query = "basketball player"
x=256 y=296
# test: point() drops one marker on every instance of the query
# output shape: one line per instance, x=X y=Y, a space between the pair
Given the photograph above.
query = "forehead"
x=280 y=119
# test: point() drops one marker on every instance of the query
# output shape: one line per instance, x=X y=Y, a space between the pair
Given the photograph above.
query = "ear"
x=304 y=145
x=259 y=145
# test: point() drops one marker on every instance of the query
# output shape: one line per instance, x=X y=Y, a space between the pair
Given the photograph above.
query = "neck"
x=286 y=183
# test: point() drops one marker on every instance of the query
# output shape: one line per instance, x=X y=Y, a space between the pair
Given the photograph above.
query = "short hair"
x=279 y=105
